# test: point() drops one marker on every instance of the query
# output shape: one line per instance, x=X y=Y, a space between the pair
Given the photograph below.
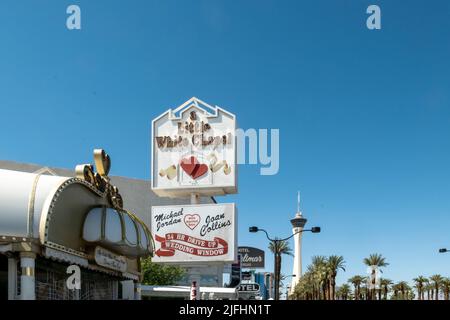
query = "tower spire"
x=298 y=213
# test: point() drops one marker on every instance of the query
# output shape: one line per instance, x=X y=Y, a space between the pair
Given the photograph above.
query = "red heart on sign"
x=201 y=170
x=193 y=168
x=189 y=164
x=192 y=220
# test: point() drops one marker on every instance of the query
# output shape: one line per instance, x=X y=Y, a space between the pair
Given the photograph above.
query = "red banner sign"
x=173 y=242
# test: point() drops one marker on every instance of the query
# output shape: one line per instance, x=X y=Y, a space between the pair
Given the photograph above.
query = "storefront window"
x=51 y=283
x=113 y=226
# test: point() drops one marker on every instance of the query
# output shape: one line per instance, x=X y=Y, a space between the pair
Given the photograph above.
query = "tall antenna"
x=298 y=201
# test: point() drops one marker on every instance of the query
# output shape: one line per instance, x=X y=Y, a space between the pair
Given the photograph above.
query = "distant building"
x=265 y=281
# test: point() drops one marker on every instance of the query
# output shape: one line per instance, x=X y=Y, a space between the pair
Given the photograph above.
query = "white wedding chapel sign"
x=194 y=151
x=194 y=233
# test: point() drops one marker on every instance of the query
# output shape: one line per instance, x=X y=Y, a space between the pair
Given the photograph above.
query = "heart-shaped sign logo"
x=189 y=164
x=193 y=168
x=192 y=220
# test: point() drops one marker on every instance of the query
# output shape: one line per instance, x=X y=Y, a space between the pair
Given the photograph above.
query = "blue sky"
x=364 y=116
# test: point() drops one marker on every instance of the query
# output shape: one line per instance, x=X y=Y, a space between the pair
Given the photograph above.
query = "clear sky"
x=364 y=116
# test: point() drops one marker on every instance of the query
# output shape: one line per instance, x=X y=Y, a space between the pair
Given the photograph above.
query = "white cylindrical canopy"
x=117 y=230
x=56 y=210
x=22 y=197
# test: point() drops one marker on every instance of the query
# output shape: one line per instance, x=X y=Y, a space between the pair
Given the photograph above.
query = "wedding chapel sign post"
x=193 y=155
x=194 y=151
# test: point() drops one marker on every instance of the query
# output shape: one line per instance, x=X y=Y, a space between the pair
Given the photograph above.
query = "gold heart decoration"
x=170 y=172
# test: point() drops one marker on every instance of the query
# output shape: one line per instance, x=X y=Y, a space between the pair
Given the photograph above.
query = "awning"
x=118 y=230
x=55 y=211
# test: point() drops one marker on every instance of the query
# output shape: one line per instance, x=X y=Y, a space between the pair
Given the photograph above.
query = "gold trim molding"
x=28 y=271
x=100 y=179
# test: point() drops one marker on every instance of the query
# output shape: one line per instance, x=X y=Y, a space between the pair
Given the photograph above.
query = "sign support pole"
x=195 y=198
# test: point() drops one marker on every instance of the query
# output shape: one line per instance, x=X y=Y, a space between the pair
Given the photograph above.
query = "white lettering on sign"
x=248 y=287
x=247 y=258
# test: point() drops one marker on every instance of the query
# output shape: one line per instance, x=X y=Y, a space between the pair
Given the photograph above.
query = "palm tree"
x=313 y=281
x=403 y=287
x=343 y=292
x=436 y=279
x=378 y=261
x=356 y=281
x=445 y=285
x=321 y=271
x=334 y=263
x=364 y=290
x=384 y=283
x=420 y=281
x=429 y=289
x=278 y=248
x=304 y=290
x=315 y=284
x=409 y=292
x=396 y=289
x=402 y=291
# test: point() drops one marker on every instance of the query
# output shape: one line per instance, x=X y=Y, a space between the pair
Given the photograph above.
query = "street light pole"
x=288 y=286
x=277 y=280
x=276 y=242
